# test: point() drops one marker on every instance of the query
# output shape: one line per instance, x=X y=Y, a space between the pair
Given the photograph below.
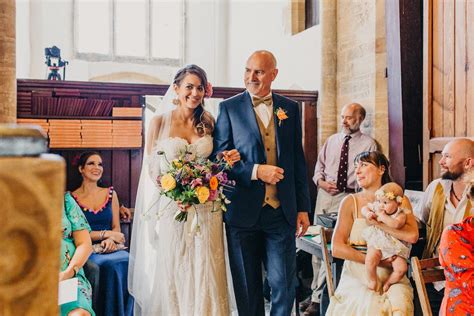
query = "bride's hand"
x=183 y=207
x=231 y=156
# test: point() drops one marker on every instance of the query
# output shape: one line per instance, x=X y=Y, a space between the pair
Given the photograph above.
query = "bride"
x=175 y=270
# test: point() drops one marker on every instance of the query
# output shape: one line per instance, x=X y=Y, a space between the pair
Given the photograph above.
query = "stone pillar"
x=32 y=197
x=7 y=62
x=328 y=91
x=361 y=63
x=381 y=88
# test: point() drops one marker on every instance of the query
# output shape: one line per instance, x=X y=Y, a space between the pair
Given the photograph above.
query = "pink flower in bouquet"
x=196 y=182
x=213 y=195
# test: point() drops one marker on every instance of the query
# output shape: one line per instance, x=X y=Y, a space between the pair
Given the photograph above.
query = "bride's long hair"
x=203 y=121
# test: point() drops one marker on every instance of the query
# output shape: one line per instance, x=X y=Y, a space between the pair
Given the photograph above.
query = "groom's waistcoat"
x=268 y=138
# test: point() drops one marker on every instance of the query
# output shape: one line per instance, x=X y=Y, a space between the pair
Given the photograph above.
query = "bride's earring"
x=176 y=101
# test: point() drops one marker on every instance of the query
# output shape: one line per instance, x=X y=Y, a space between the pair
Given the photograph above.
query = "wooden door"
x=448 y=77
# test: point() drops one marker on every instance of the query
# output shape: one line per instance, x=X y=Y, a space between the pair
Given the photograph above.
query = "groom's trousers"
x=270 y=241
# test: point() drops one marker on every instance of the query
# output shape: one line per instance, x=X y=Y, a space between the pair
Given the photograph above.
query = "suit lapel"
x=251 y=117
x=277 y=103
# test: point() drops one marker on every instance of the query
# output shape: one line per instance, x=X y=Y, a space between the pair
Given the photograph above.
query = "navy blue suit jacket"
x=237 y=127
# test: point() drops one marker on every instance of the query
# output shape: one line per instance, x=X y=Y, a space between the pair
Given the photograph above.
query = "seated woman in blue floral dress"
x=75 y=249
x=101 y=208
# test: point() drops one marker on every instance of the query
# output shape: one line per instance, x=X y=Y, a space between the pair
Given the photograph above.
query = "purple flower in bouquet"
x=222 y=177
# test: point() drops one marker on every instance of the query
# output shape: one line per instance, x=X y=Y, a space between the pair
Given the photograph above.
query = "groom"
x=271 y=199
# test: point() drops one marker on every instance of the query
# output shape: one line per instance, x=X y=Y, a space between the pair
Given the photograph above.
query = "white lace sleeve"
x=154 y=166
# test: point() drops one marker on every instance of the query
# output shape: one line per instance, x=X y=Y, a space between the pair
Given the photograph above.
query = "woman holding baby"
x=391 y=293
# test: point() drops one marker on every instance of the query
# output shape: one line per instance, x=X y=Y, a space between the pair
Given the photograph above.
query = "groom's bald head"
x=260 y=72
x=265 y=55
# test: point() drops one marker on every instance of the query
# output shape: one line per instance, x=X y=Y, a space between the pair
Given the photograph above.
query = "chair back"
x=326 y=234
x=126 y=228
x=426 y=271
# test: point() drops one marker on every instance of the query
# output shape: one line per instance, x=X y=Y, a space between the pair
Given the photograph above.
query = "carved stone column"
x=7 y=62
x=31 y=200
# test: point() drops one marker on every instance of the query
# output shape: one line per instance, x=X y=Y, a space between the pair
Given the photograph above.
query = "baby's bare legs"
x=400 y=267
x=372 y=260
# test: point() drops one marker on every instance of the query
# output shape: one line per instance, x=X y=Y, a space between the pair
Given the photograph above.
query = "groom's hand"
x=270 y=174
x=302 y=224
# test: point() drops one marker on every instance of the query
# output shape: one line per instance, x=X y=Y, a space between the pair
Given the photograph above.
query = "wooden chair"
x=325 y=236
x=126 y=228
x=426 y=271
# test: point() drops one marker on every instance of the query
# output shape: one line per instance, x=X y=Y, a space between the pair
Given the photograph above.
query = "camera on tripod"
x=55 y=63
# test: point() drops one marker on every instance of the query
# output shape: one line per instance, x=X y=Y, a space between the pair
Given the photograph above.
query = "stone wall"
x=7 y=62
x=361 y=63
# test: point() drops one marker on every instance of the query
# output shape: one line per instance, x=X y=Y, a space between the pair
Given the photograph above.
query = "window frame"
x=304 y=15
x=112 y=55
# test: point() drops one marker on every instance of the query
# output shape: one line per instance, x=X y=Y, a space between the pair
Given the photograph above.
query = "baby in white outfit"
x=381 y=245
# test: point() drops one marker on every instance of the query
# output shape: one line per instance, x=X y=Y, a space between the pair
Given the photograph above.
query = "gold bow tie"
x=257 y=101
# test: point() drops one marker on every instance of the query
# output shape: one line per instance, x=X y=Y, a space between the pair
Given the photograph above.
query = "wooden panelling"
x=438 y=95
x=437 y=144
x=122 y=167
x=469 y=68
x=448 y=103
x=435 y=169
x=460 y=38
x=404 y=34
x=136 y=158
x=448 y=68
x=310 y=144
x=107 y=179
x=394 y=85
x=121 y=175
x=427 y=84
x=133 y=89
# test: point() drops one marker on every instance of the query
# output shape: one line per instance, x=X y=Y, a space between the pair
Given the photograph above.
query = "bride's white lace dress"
x=190 y=276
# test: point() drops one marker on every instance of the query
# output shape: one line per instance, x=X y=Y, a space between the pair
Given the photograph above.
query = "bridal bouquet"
x=191 y=181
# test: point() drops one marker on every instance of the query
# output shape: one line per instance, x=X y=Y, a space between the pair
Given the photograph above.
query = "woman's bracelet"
x=76 y=270
x=102 y=234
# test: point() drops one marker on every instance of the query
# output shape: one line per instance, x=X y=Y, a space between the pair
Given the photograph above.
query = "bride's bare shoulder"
x=156 y=121
x=153 y=130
